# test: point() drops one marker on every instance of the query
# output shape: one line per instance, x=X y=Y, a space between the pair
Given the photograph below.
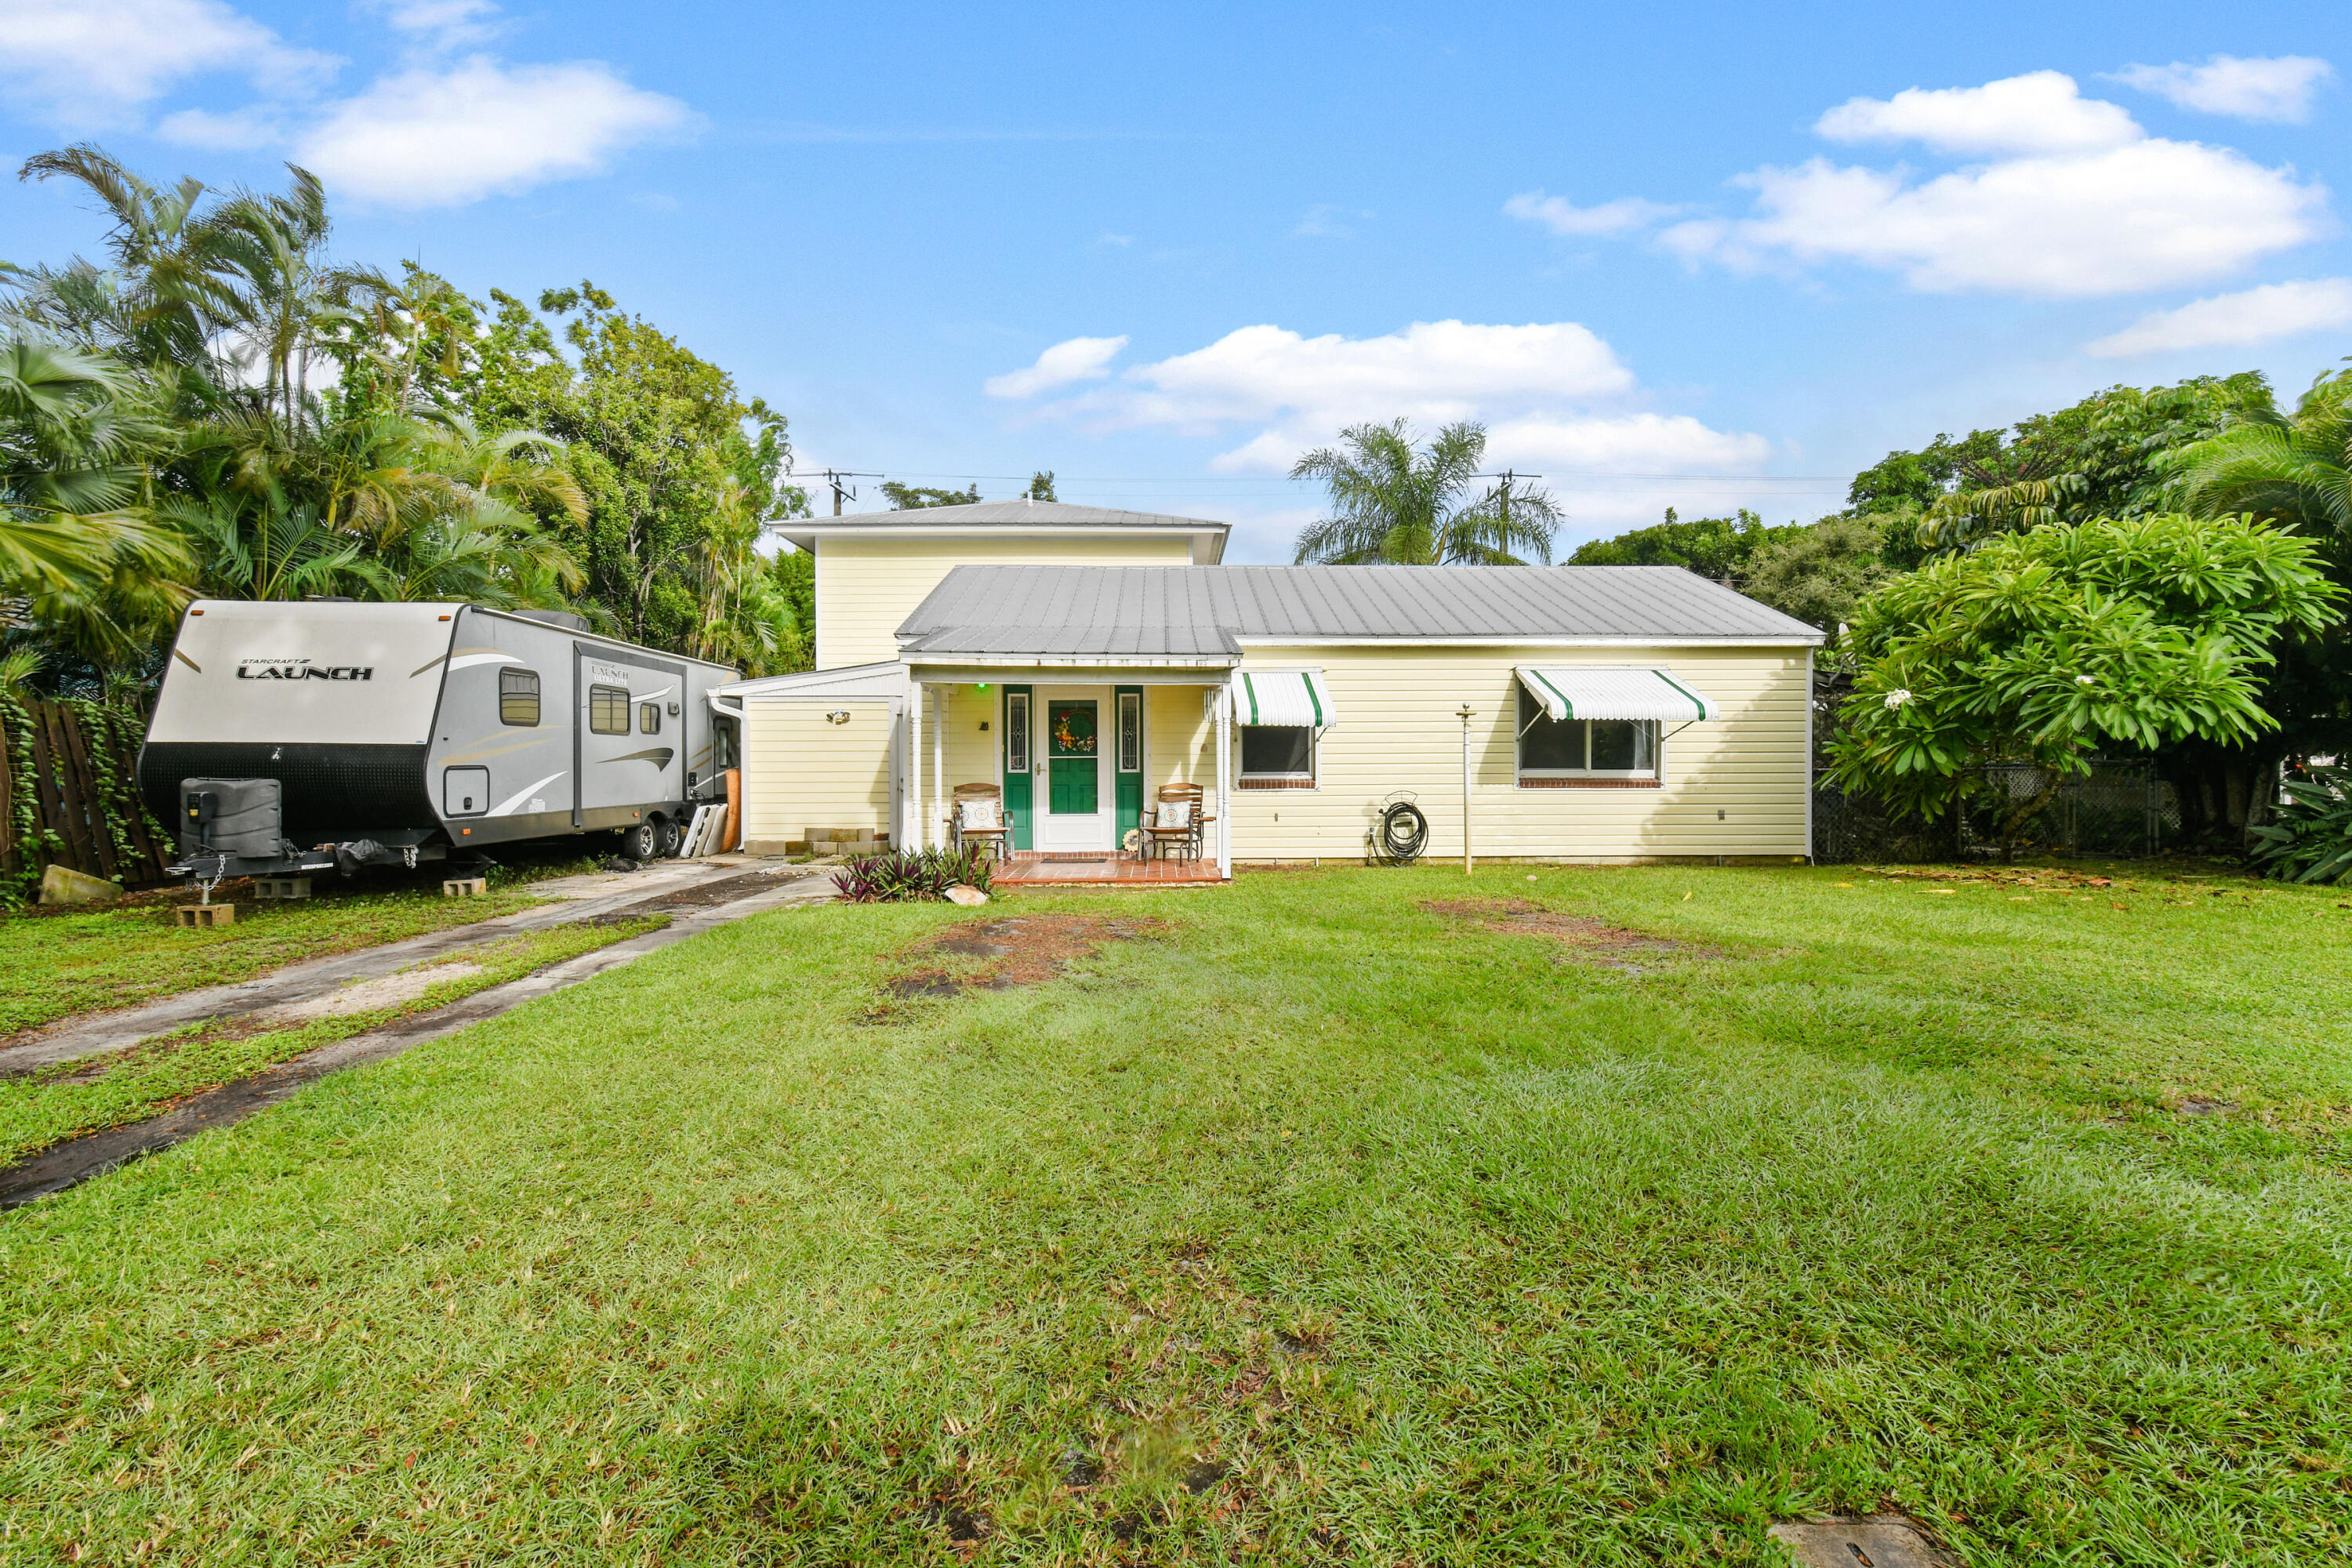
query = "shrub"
x=905 y=876
x=2311 y=838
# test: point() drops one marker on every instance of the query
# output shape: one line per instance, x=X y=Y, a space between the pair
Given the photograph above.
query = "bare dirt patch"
x=1586 y=939
x=1012 y=950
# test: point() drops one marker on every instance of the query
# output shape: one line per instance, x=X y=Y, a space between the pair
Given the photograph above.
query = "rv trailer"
x=293 y=738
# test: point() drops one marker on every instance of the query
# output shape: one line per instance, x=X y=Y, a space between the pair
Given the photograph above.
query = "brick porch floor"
x=1026 y=868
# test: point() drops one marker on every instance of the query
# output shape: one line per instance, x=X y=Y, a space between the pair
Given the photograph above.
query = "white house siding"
x=1398 y=730
x=801 y=772
x=867 y=588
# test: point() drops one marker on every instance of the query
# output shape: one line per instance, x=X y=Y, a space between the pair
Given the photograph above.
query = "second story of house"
x=874 y=568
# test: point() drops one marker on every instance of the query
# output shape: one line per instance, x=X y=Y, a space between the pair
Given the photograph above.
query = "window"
x=1563 y=749
x=1130 y=731
x=1277 y=756
x=608 y=710
x=724 y=751
x=519 y=697
x=1017 y=731
x=649 y=718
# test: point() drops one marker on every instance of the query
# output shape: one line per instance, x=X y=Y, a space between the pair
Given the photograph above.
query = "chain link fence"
x=2119 y=810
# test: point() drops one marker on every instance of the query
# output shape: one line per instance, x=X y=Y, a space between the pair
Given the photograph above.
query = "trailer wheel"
x=673 y=837
x=641 y=842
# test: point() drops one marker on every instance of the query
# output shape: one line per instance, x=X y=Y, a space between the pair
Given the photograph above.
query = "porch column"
x=940 y=761
x=1226 y=780
x=910 y=830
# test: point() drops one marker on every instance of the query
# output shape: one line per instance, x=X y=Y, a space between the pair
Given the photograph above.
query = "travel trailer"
x=294 y=738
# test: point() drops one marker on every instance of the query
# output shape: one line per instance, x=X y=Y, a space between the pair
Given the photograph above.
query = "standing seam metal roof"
x=1199 y=610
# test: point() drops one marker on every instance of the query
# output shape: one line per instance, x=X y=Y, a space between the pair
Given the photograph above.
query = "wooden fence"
x=69 y=795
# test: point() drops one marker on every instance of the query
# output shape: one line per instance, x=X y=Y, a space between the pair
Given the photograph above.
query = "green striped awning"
x=1283 y=696
x=1613 y=691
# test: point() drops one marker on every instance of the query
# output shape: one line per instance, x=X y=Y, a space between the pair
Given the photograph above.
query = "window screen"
x=649 y=718
x=1130 y=731
x=608 y=710
x=1606 y=746
x=1277 y=750
x=519 y=697
x=1017 y=731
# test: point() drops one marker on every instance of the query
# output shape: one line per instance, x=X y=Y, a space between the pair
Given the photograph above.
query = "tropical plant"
x=904 y=876
x=2310 y=838
x=2291 y=469
x=916 y=497
x=2045 y=648
x=1395 y=504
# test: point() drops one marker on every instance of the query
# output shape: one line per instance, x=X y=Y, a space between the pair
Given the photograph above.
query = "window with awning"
x=1283 y=696
x=1614 y=692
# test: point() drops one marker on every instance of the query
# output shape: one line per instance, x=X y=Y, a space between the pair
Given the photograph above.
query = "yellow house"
x=1083 y=660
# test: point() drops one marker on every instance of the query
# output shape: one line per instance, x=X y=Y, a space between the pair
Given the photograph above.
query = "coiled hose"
x=1402 y=834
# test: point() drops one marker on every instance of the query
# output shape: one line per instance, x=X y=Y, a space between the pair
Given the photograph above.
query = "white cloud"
x=2066 y=215
x=238 y=131
x=1066 y=363
x=2038 y=112
x=2235 y=321
x=2278 y=89
x=448 y=24
x=1326 y=220
x=429 y=137
x=1545 y=391
x=1623 y=215
x=89 y=63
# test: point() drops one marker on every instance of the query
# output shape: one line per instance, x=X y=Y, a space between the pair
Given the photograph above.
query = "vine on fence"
x=92 y=783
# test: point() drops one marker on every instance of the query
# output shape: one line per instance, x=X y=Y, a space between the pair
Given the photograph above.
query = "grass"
x=1321 y=1229
x=76 y=1097
x=82 y=959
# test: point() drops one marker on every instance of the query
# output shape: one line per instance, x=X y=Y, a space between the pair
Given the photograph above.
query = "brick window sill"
x=1591 y=783
x=1274 y=783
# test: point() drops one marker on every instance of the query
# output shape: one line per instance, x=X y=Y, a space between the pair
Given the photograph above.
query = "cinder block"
x=207 y=914
x=464 y=887
x=281 y=887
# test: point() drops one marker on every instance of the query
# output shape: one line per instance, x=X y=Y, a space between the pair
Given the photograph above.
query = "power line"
x=1282 y=479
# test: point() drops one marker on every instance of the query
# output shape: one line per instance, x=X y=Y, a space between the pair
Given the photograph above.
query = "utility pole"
x=835 y=476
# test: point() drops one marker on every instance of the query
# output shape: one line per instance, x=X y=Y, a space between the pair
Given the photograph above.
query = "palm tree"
x=1393 y=504
x=2286 y=467
x=81 y=551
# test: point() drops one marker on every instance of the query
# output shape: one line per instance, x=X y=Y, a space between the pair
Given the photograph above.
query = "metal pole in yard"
x=1469 y=863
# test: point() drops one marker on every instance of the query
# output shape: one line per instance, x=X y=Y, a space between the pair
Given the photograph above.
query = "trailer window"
x=649 y=718
x=608 y=710
x=519 y=697
x=722 y=744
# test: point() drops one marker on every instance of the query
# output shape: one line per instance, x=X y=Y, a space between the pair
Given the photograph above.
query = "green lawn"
x=1320 y=1229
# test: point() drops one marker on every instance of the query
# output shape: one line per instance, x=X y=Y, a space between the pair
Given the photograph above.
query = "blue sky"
x=1698 y=255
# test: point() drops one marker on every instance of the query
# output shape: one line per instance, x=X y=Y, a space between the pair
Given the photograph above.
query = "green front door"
x=1073 y=740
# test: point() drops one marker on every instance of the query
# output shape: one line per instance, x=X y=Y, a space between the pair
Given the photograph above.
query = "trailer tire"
x=641 y=842
x=673 y=837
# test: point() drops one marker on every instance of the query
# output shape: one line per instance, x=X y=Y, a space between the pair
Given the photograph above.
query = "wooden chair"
x=989 y=800
x=1187 y=839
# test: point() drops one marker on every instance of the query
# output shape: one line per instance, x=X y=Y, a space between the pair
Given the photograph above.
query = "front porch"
x=1027 y=869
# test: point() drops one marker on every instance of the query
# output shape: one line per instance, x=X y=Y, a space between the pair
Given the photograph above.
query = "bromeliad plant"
x=908 y=876
x=2045 y=647
x=2311 y=838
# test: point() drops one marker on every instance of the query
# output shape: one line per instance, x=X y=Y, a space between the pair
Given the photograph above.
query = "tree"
x=2043 y=647
x=1818 y=573
x=1717 y=547
x=915 y=498
x=2294 y=470
x=1041 y=485
x=1394 y=504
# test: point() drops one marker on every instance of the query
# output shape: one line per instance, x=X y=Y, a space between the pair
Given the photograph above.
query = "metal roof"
x=1178 y=610
x=1023 y=513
